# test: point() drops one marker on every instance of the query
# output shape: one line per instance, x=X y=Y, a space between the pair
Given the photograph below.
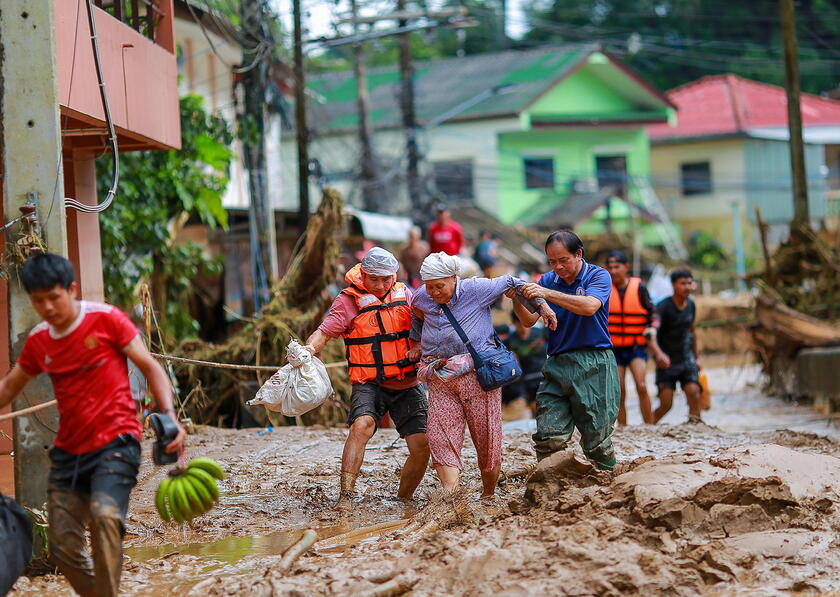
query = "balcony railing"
x=141 y=15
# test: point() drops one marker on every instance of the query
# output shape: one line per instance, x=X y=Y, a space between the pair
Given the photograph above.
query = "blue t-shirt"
x=580 y=331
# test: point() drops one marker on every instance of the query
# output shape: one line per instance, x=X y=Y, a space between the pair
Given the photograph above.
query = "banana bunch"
x=189 y=492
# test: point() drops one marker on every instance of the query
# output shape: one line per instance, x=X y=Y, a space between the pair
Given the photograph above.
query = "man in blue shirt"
x=580 y=382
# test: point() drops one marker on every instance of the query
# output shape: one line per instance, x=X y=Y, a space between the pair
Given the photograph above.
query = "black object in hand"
x=166 y=430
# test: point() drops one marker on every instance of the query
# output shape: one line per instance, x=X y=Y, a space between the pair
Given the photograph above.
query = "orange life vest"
x=378 y=342
x=628 y=318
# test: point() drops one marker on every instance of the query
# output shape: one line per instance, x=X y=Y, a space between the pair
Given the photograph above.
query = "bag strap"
x=460 y=331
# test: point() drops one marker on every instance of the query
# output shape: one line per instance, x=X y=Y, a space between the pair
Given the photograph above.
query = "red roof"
x=729 y=104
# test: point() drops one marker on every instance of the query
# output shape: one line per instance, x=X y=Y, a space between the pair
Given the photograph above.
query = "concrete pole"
x=32 y=169
x=420 y=211
x=737 y=232
x=371 y=191
x=300 y=118
x=797 y=147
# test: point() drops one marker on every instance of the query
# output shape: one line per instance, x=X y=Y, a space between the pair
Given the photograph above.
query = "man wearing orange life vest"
x=631 y=314
x=373 y=317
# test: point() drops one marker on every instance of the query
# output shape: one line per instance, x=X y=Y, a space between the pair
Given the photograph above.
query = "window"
x=454 y=180
x=696 y=178
x=539 y=173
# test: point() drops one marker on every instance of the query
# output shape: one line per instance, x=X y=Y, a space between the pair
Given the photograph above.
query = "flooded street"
x=704 y=517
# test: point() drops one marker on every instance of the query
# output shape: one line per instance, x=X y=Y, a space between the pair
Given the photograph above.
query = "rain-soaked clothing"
x=579 y=389
x=455 y=404
x=91 y=491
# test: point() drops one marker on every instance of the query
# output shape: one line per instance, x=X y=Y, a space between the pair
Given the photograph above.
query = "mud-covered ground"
x=745 y=507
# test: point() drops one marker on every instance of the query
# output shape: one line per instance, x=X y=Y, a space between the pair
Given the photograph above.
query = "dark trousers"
x=91 y=491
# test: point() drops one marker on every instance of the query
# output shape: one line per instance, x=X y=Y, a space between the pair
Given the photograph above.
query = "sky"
x=319 y=15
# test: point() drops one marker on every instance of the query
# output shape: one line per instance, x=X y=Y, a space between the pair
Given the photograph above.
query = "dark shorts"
x=626 y=354
x=407 y=407
x=111 y=470
x=684 y=373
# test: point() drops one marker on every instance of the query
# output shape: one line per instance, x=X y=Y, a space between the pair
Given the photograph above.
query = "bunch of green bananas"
x=189 y=492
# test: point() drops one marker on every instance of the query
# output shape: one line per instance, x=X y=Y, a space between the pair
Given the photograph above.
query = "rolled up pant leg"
x=68 y=513
x=111 y=486
x=555 y=423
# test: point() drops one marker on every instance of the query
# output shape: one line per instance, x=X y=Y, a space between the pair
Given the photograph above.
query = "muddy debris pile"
x=756 y=520
x=799 y=304
x=297 y=305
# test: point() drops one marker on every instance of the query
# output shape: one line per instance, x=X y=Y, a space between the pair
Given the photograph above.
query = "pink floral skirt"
x=455 y=405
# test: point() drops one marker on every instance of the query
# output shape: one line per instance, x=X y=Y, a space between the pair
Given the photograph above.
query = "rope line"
x=166 y=357
x=27 y=411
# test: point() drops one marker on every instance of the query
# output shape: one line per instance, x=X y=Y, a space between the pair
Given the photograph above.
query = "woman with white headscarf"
x=456 y=399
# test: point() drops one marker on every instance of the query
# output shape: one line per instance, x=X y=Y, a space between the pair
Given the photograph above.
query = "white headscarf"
x=440 y=265
x=379 y=262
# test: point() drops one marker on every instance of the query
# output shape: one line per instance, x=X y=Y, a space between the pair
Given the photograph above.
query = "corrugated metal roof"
x=444 y=84
x=729 y=104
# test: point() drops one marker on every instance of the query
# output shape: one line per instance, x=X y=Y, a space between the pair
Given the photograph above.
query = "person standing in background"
x=675 y=347
x=631 y=315
x=445 y=234
x=412 y=255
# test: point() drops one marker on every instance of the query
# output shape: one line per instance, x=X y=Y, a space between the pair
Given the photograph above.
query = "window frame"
x=446 y=190
x=543 y=184
x=696 y=187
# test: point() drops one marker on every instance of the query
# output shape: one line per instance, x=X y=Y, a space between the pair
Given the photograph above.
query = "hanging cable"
x=112 y=135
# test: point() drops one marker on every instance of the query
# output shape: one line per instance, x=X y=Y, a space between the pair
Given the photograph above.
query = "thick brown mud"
x=691 y=510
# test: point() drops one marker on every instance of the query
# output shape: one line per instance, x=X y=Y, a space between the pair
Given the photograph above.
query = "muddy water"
x=283 y=482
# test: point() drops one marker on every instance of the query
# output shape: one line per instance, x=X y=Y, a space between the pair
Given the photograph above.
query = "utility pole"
x=797 y=148
x=257 y=41
x=30 y=141
x=300 y=120
x=419 y=209
x=371 y=191
x=503 y=40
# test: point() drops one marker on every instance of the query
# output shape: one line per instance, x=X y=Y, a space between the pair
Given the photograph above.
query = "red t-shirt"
x=447 y=237
x=89 y=372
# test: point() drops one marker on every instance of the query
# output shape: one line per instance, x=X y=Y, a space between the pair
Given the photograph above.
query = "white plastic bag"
x=297 y=387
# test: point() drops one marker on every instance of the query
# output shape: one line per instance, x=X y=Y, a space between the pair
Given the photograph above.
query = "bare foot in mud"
x=345 y=502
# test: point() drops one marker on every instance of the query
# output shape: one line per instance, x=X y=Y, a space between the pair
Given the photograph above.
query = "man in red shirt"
x=83 y=347
x=445 y=234
x=373 y=317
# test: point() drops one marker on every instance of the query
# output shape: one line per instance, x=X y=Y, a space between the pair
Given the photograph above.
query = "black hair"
x=680 y=273
x=570 y=241
x=616 y=255
x=45 y=271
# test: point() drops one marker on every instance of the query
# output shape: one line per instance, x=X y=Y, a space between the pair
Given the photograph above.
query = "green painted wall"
x=574 y=151
x=582 y=93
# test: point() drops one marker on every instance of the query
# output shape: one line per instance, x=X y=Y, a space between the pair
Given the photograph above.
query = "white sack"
x=297 y=387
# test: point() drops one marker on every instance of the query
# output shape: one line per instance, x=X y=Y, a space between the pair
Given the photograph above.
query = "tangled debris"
x=800 y=296
x=298 y=303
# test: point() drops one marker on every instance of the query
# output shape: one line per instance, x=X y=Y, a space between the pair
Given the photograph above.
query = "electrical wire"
x=112 y=135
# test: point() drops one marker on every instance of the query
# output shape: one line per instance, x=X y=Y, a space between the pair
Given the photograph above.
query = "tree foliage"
x=676 y=41
x=158 y=192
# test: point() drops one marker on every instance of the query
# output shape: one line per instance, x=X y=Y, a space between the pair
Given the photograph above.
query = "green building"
x=549 y=137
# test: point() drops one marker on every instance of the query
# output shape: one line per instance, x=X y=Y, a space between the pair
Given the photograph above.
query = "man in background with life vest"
x=373 y=317
x=631 y=317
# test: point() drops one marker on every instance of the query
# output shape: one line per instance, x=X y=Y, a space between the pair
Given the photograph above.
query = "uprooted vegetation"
x=297 y=304
x=798 y=306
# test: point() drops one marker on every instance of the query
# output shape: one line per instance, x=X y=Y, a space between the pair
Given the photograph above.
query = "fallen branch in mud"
x=297 y=550
x=391 y=588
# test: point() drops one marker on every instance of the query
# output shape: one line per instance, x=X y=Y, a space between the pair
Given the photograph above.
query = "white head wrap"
x=440 y=265
x=379 y=262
